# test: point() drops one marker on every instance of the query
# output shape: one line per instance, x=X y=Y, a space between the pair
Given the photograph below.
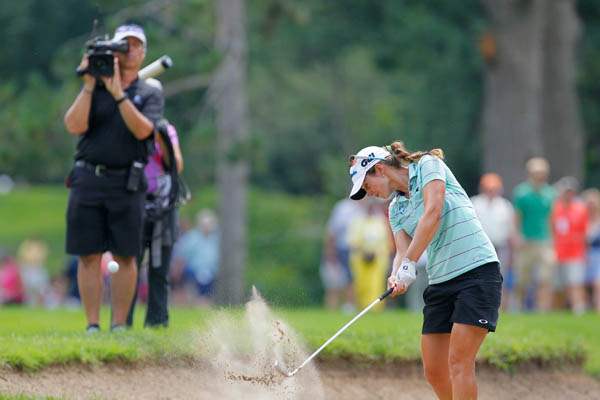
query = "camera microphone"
x=156 y=67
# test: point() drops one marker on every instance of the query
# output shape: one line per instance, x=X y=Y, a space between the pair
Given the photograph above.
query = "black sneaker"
x=92 y=328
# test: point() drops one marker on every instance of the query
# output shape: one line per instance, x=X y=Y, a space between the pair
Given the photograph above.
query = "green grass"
x=284 y=235
x=25 y=397
x=33 y=339
x=39 y=212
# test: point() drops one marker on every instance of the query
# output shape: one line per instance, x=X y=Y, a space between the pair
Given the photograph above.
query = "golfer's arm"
x=429 y=223
x=402 y=241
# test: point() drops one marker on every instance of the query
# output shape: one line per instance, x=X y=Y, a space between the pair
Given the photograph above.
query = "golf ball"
x=113 y=266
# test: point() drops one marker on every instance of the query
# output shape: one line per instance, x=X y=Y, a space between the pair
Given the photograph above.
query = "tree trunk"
x=531 y=106
x=513 y=88
x=229 y=97
x=561 y=121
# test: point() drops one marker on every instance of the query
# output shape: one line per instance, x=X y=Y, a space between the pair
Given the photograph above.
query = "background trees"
x=490 y=82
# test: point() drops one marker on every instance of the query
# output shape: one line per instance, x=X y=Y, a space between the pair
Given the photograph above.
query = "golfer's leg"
x=465 y=341
x=434 y=350
x=122 y=288
x=89 y=279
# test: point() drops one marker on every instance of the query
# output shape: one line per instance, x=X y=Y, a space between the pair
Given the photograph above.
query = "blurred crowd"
x=24 y=277
x=547 y=238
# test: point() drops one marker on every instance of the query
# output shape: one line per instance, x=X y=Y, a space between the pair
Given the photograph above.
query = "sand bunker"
x=243 y=354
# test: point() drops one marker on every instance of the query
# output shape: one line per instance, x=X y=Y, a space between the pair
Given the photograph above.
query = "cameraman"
x=114 y=118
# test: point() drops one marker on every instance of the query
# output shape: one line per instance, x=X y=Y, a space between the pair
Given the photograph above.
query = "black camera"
x=100 y=53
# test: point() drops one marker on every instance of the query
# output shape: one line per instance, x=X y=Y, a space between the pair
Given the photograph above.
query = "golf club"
x=331 y=339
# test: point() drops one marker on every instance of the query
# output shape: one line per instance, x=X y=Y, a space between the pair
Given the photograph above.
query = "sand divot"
x=242 y=354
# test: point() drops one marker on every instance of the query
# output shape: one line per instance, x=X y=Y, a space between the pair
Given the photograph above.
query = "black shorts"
x=102 y=215
x=472 y=298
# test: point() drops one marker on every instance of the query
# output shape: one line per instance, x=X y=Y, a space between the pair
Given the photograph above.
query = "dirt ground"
x=339 y=380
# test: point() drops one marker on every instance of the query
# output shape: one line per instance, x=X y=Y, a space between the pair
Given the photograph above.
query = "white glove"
x=407 y=273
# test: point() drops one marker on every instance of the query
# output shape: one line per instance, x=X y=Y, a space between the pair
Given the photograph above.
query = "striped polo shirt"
x=460 y=244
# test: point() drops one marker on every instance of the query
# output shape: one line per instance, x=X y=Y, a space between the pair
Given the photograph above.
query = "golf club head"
x=279 y=369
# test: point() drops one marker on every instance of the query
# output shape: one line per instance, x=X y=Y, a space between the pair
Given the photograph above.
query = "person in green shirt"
x=430 y=210
x=534 y=257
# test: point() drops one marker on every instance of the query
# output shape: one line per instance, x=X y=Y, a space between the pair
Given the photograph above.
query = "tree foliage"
x=324 y=79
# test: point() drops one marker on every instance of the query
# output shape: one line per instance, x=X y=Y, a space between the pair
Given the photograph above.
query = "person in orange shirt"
x=569 y=227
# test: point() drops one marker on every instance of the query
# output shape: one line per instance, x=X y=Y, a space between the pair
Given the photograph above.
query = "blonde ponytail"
x=404 y=157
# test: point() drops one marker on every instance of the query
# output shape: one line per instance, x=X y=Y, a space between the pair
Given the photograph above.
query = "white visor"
x=364 y=160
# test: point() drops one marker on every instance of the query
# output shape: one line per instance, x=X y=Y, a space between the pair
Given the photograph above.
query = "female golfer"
x=430 y=210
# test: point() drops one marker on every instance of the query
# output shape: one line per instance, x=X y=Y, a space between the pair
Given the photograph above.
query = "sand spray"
x=242 y=353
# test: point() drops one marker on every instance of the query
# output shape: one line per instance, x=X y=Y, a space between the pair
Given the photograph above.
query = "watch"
x=122 y=99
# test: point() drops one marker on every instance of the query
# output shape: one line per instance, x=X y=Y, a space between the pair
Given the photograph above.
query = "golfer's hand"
x=404 y=277
x=88 y=80
x=399 y=287
x=113 y=83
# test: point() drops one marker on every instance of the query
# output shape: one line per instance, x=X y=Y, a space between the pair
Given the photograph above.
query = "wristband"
x=90 y=91
x=122 y=99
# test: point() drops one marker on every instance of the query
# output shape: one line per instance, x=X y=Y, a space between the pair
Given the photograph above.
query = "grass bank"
x=32 y=339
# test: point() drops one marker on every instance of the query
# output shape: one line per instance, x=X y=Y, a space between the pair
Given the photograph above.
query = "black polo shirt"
x=108 y=141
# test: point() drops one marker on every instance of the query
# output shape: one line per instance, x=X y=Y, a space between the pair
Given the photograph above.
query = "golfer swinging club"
x=429 y=209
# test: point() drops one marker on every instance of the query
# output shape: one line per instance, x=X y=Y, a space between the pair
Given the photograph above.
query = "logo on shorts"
x=483 y=321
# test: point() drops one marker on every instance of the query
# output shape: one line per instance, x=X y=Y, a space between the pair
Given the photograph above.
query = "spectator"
x=11 y=285
x=114 y=119
x=196 y=258
x=369 y=240
x=592 y=201
x=31 y=256
x=533 y=201
x=569 y=228
x=497 y=218
x=160 y=225
x=337 y=254
x=72 y=297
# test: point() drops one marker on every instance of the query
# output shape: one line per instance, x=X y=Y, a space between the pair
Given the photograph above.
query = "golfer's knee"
x=435 y=375
x=460 y=367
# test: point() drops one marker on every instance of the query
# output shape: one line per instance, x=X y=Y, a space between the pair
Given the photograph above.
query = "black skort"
x=472 y=298
x=102 y=215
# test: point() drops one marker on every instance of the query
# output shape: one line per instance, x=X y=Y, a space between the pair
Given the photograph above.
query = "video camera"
x=100 y=53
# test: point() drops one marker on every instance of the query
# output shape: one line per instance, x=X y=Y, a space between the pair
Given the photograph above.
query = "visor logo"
x=483 y=321
x=367 y=160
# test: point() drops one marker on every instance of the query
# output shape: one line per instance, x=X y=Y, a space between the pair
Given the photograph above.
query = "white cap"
x=364 y=160
x=130 y=30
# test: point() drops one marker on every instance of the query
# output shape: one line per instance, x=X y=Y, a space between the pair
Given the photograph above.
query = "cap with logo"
x=363 y=161
x=130 y=30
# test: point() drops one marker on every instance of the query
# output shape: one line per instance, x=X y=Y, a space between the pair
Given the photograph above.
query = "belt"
x=99 y=169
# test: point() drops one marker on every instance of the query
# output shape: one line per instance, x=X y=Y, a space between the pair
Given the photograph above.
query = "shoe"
x=92 y=328
x=118 y=328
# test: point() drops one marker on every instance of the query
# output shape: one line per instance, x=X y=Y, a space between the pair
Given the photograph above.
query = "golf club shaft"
x=331 y=339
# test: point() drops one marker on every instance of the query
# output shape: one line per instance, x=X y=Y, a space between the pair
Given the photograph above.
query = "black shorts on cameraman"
x=102 y=215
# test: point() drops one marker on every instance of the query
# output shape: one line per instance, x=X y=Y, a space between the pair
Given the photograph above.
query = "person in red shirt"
x=569 y=227
x=11 y=285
